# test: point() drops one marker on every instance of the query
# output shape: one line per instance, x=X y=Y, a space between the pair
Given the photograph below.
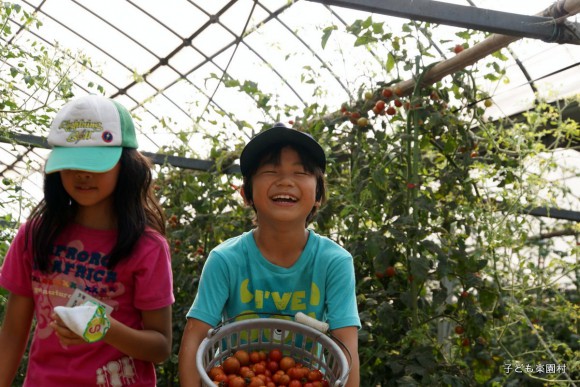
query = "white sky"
x=182 y=103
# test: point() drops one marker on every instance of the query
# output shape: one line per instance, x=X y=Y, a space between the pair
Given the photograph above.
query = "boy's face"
x=284 y=192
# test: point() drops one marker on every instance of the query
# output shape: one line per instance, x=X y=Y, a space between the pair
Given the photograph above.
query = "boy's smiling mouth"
x=284 y=198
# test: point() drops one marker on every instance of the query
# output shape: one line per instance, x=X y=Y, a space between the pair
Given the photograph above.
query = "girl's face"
x=284 y=192
x=90 y=189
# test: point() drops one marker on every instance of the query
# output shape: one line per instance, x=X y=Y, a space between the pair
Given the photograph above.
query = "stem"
x=413 y=159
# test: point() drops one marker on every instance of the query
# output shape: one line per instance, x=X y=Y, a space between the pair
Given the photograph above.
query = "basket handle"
x=311 y=322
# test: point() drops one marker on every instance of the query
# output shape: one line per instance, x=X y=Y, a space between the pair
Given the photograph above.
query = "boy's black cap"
x=278 y=134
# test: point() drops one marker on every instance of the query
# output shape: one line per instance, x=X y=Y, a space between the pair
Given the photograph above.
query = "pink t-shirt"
x=142 y=281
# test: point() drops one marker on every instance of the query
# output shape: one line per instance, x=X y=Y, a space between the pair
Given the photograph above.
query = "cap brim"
x=93 y=159
x=254 y=150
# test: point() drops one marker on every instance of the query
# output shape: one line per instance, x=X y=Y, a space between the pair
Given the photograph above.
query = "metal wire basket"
x=312 y=347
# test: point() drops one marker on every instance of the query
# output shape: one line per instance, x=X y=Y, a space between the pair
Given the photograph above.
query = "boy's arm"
x=193 y=334
x=14 y=335
x=349 y=337
x=152 y=343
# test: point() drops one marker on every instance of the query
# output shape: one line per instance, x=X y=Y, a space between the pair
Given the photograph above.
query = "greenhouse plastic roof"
x=165 y=61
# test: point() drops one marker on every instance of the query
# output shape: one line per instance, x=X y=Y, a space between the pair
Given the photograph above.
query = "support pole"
x=559 y=10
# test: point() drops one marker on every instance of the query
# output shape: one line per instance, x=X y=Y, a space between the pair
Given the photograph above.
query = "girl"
x=98 y=234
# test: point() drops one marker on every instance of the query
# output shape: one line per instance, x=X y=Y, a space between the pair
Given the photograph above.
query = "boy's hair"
x=272 y=155
x=134 y=203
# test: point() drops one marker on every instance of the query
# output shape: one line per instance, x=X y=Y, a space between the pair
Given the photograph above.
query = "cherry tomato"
x=263 y=356
x=273 y=366
x=238 y=381
x=298 y=372
x=315 y=375
x=256 y=382
x=214 y=371
x=287 y=362
x=247 y=373
x=254 y=357
x=231 y=365
x=243 y=357
x=244 y=369
x=220 y=378
x=275 y=355
x=259 y=368
x=284 y=380
x=294 y=373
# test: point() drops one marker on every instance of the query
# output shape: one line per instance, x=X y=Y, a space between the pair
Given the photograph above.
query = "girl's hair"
x=135 y=206
x=272 y=155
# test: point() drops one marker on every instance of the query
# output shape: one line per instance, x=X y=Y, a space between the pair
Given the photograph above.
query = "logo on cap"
x=107 y=136
x=80 y=130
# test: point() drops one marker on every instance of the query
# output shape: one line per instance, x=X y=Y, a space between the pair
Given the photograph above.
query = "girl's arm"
x=14 y=335
x=152 y=343
x=349 y=337
x=193 y=334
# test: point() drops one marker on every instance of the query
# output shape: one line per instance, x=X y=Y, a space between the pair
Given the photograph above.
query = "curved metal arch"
x=138 y=103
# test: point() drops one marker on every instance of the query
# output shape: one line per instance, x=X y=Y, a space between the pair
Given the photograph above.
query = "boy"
x=280 y=266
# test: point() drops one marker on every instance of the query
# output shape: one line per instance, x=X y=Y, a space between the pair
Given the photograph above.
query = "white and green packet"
x=88 y=320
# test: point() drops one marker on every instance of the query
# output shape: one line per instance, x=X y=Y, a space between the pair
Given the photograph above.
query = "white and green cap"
x=89 y=134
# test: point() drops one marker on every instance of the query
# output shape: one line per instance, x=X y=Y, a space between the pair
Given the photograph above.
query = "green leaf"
x=378 y=28
x=326 y=34
x=390 y=62
x=367 y=23
x=419 y=268
x=364 y=40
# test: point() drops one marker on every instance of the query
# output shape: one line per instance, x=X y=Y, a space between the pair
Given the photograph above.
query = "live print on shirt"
x=256 y=301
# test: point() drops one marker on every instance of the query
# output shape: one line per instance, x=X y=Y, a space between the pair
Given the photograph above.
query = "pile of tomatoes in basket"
x=265 y=368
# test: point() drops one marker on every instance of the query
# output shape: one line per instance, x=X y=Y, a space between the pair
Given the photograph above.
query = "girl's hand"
x=65 y=335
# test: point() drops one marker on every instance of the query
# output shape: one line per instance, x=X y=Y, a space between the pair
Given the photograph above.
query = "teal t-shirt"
x=236 y=279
